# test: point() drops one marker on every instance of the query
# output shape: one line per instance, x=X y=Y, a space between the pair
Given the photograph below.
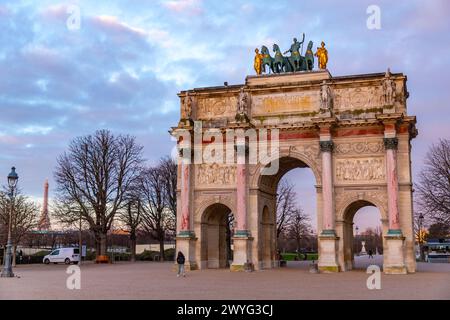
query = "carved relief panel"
x=223 y=107
x=215 y=175
x=359 y=170
x=358 y=98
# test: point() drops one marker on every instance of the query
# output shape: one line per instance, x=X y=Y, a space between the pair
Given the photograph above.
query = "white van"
x=66 y=255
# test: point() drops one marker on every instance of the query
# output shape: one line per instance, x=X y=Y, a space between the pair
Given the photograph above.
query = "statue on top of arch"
x=265 y=63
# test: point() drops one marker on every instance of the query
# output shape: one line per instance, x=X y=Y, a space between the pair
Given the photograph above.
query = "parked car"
x=63 y=255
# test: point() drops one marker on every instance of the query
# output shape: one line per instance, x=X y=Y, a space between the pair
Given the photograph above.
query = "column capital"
x=390 y=143
x=326 y=146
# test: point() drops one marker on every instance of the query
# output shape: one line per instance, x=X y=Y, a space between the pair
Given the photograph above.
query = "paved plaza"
x=153 y=280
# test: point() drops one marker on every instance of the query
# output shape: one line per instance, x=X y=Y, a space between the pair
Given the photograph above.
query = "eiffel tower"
x=44 y=221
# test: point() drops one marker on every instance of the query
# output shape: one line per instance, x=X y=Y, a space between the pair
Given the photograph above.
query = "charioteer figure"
x=296 y=58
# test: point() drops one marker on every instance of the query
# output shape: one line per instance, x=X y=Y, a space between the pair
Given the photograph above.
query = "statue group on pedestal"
x=295 y=62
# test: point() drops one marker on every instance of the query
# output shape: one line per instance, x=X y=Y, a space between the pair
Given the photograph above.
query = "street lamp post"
x=357 y=241
x=420 y=236
x=7 y=267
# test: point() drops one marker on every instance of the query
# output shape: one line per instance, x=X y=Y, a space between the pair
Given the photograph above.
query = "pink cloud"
x=191 y=7
x=113 y=24
x=55 y=12
x=9 y=139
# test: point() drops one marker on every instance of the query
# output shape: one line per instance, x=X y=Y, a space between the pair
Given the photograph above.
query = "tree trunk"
x=103 y=244
x=97 y=244
x=133 y=245
x=161 y=249
x=14 y=250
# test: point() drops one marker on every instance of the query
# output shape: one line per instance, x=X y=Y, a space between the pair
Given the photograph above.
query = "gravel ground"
x=153 y=280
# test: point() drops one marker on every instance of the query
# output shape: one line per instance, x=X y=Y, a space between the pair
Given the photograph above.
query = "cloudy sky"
x=121 y=69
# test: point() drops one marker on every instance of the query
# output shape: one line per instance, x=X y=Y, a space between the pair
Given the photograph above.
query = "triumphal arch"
x=353 y=132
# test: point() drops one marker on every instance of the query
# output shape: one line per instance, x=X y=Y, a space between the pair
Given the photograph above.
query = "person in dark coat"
x=370 y=254
x=180 y=262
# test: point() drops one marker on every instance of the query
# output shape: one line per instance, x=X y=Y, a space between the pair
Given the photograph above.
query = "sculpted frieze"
x=215 y=174
x=360 y=170
x=358 y=98
x=363 y=147
x=216 y=107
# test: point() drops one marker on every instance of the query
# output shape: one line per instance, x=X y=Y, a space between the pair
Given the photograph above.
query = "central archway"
x=267 y=187
x=217 y=231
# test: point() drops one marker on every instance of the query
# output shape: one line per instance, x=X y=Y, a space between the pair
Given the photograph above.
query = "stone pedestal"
x=394 y=258
x=328 y=251
x=186 y=244
x=242 y=252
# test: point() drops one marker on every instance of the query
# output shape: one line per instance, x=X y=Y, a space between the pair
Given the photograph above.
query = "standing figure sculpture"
x=322 y=55
x=242 y=106
x=326 y=99
x=187 y=107
x=242 y=101
x=388 y=89
x=296 y=59
x=257 y=65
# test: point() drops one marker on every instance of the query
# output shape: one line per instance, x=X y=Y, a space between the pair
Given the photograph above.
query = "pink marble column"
x=241 y=189
x=327 y=185
x=185 y=191
x=392 y=182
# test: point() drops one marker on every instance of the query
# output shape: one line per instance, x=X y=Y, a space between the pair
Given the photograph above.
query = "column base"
x=394 y=258
x=186 y=244
x=242 y=260
x=328 y=249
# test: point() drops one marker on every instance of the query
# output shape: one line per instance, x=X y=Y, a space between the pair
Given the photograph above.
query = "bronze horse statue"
x=309 y=58
x=280 y=63
x=266 y=60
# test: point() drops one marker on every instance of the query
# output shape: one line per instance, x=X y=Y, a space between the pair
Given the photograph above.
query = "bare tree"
x=155 y=216
x=285 y=205
x=433 y=189
x=438 y=231
x=299 y=227
x=25 y=215
x=131 y=217
x=169 y=175
x=93 y=177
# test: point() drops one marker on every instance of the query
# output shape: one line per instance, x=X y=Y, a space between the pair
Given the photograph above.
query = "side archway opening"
x=362 y=235
x=217 y=228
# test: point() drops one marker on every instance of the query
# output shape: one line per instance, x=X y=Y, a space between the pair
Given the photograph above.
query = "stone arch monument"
x=353 y=132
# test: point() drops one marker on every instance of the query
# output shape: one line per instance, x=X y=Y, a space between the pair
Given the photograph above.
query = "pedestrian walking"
x=370 y=254
x=180 y=262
